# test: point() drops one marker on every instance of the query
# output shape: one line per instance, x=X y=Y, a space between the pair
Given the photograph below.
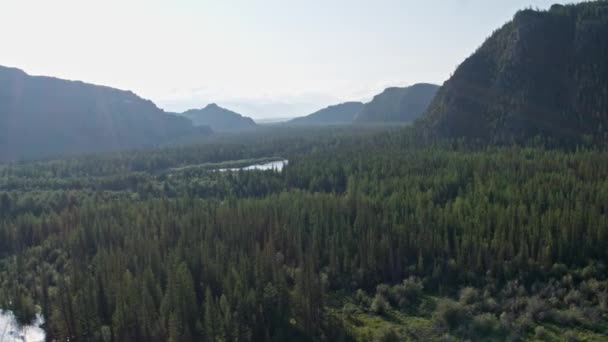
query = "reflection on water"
x=10 y=331
x=275 y=165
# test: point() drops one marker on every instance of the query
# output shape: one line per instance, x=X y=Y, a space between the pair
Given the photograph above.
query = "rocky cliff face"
x=544 y=73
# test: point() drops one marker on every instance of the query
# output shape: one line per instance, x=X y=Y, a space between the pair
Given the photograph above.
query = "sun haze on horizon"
x=265 y=59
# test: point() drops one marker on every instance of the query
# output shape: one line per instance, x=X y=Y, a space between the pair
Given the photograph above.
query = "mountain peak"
x=218 y=118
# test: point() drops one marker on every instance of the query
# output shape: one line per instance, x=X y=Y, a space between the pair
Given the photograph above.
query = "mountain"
x=398 y=104
x=44 y=116
x=545 y=73
x=219 y=119
x=340 y=114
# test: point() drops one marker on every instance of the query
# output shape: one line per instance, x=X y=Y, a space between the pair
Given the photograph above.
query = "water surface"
x=10 y=331
x=274 y=165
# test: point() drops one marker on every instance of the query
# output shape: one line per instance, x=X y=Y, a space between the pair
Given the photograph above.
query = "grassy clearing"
x=554 y=333
x=363 y=325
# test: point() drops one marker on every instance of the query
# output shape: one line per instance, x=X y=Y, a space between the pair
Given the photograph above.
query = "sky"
x=262 y=58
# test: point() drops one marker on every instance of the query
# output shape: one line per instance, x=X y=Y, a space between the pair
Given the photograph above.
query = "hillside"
x=339 y=114
x=218 y=118
x=43 y=116
x=398 y=104
x=544 y=73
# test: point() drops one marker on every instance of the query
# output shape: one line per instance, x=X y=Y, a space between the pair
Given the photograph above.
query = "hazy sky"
x=264 y=58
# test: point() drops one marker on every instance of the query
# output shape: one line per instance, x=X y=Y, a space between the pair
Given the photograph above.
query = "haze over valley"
x=315 y=171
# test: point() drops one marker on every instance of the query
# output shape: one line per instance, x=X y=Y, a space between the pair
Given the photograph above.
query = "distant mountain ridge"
x=393 y=105
x=44 y=116
x=339 y=114
x=545 y=73
x=218 y=118
x=398 y=104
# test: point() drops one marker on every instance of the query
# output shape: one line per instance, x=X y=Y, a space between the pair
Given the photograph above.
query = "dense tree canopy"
x=160 y=246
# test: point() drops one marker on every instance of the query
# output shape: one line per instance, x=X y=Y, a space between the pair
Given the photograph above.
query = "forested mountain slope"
x=544 y=73
x=44 y=116
x=218 y=118
x=398 y=104
x=339 y=114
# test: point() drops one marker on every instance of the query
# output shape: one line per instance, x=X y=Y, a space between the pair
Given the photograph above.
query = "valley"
x=399 y=210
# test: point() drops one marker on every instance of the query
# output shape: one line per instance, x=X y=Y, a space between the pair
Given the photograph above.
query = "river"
x=274 y=165
x=10 y=331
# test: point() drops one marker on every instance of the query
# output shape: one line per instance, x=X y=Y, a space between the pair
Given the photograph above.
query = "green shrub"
x=450 y=315
x=559 y=270
x=536 y=308
x=540 y=333
x=388 y=335
x=448 y=338
x=362 y=298
x=486 y=324
x=468 y=296
x=379 y=305
x=506 y=320
x=413 y=287
x=350 y=309
x=406 y=294
x=383 y=289
x=24 y=309
x=574 y=297
x=589 y=272
x=571 y=336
